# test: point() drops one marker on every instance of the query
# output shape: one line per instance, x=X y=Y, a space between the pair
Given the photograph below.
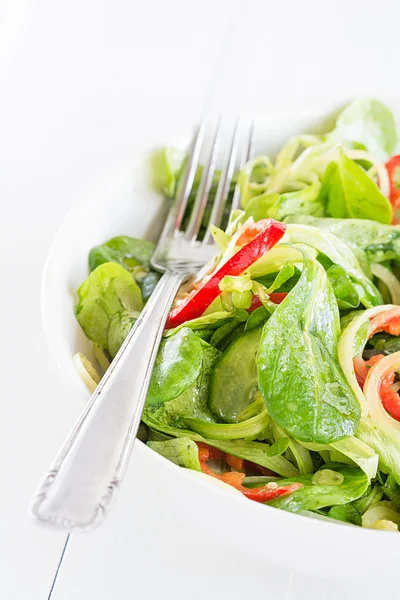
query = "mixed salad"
x=278 y=372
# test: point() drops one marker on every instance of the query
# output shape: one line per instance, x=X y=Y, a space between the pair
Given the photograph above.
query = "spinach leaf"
x=348 y=192
x=299 y=374
x=380 y=242
x=193 y=402
x=107 y=290
x=370 y=123
x=345 y=291
x=314 y=496
x=346 y=513
x=126 y=251
x=177 y=366
x=120 y=325
x=181 y=451
x=148 y=283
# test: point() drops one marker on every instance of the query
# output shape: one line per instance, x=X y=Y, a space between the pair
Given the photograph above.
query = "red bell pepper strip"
x=390 y=399
x=361 y=367
x=262 y=494
x=197 y=302
x=388 y=321
x=393 y=169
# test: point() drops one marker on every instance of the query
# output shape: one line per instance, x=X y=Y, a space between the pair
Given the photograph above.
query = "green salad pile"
x=278 y=372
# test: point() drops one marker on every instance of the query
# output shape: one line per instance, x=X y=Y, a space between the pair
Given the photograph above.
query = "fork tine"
x=204 y=189
x=223 y=186
x=186 y=182
x=246 y=156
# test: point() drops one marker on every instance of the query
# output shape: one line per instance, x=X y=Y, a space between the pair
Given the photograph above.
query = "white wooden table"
x=77 y=81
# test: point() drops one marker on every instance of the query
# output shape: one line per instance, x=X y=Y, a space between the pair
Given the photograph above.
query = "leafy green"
x=233 y=381
x=346 y=513
x=380 y=242
x=279 y=447
x=177 y=366
x=301 y=454
x=148 y=283
x=222 y=337
x=381 y=515
x=252 y=428
x=255 y=452
x=120 y=325
x=127 y=251
x=339 y=253
x=368 y=122
x=344 y=289
x=193 y=402
x=385 y=444
x=391 y=489
x=167 y=166
x=299 y=374
x=181 y=451
x=108 y=290
x=313 y=496
x=211 y=321
x=257 y=318
x=278 y=206
x=349 y=192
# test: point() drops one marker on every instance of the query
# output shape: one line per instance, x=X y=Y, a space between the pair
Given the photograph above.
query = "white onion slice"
x=86 y=371
x=389 y=279
x=346 y=350
x=381 y=511
x=383 y=177
x=386 y=365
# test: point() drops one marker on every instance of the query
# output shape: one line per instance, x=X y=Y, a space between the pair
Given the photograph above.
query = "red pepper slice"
x=388 y=321
x=195 y=304
x=361 y=367
x=393 y=169
x=276 y=298
x=390 y=398
x=235 y=479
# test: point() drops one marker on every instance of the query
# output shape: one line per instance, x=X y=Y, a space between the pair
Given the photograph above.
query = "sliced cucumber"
x=234 y=379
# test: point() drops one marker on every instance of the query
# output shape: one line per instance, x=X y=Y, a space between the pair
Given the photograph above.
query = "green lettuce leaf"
x=370 y=123
x=380 y=242
x=127 y=251
x=181 y=451
x=108 y=289
x=349 y=192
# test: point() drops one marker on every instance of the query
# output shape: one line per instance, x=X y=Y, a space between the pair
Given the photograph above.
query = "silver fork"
x=83 y=482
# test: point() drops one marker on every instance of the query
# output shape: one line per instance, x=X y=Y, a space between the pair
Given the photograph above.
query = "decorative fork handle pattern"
x=84 y=480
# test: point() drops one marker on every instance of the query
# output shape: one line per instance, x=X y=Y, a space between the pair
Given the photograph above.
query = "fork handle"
x=86 y=476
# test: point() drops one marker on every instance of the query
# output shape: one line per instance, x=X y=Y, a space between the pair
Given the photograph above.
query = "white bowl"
x=128 y=205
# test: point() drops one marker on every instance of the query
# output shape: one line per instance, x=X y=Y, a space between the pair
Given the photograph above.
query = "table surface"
x=77 y=79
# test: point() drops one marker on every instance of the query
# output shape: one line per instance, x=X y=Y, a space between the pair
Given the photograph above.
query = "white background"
x=80 y=83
